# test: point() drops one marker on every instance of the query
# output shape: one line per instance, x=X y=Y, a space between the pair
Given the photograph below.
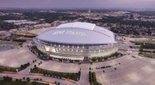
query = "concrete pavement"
x=84 y=78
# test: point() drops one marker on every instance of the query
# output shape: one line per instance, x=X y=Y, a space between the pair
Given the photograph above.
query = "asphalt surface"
x=6 y=47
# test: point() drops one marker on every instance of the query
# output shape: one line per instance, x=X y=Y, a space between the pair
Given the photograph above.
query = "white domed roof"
x=78 y=33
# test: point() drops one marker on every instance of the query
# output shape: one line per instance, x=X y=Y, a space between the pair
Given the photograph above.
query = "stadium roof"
x=83 y=25
x=78 y=33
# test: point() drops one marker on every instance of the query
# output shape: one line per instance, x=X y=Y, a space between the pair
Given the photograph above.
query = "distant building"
x=20 y=22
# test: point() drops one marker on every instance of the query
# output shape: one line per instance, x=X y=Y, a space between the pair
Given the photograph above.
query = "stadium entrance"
x=86 y=58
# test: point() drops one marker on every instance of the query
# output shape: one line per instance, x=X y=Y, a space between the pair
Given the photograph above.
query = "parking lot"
x=60 y=66
x=127 y=70
x=6 y=47
x=16 y=57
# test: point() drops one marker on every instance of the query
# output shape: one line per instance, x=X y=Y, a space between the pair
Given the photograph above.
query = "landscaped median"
x=11 y=81
x=100 y=59
x=13 y=69
x=10 y=69
x=24 y=66
x=92 y=79
x=61 y=75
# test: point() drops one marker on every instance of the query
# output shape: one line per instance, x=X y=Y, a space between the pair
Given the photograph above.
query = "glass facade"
x=91 y=50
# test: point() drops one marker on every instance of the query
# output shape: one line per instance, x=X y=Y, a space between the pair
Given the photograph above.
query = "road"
x=84 y=78
x=33 y=76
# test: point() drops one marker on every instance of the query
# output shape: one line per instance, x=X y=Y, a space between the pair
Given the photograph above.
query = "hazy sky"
x=78 y=3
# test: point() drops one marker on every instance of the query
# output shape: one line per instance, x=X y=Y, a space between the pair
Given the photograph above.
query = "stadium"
x=77 y=41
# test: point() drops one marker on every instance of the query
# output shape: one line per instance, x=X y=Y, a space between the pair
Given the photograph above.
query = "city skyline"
x=80 y=4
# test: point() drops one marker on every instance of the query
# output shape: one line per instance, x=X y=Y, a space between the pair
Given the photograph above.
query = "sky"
x=71 y=4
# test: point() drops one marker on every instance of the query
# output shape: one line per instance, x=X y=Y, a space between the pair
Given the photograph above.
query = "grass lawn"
x=19 y=83
x=147 y=41
x=8 y=42
x=3 y=68
x=149 y=55
x=73 y=76
x=92 y=79
x=27 y=34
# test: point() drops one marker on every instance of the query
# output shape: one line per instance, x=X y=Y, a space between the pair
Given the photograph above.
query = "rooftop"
x=78 y=33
